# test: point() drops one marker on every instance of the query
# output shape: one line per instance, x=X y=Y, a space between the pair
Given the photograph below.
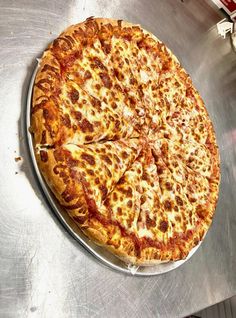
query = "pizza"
x=124 y=141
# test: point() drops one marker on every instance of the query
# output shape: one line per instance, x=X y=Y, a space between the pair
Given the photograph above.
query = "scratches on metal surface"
x=28 y=11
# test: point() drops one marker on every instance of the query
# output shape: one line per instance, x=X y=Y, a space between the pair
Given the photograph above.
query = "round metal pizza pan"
x=98 y=252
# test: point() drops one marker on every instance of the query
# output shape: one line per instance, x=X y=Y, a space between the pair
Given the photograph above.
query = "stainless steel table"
x=43 y=271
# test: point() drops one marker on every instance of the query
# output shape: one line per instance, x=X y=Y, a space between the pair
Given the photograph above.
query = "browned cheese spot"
x=145 y=176
x=149 y=222
x=87 y=75
x=59 y=155
x=117 y=158
x=88 y=138
x=201 y=211
x=176 y=208
x=129 y=192
x=122 y=180
x=124 y=155
x=129 y=204
x=77 y=115
x=143 y=198
x=106 y=80
x=85 y=126
x=167 y=205
x=65 y=120
x=90 y=159
x=91 y=172
x=96 y=103
x=71 y=162
x=163 y=226
x=159 y=169
x=44 y=137
x=48 y=114
x=44 y=155
x=178 y=188
x=179 y=201
x=117 y=124
x=56 y=169
x=169 y=186
x=98 y=63
x=111 y=118
x=192 y=200
x=106 y=159
x=104 y=191
x=178 y=218
x=108 y=172
x=74 y=95
x=175 y=164
x=115 y=197
x=119 y=211
x=114 y=105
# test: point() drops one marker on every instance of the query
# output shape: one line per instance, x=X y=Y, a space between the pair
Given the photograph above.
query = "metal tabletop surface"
x=44 y=272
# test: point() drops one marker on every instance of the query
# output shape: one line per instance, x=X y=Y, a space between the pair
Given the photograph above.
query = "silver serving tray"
x=100 y=253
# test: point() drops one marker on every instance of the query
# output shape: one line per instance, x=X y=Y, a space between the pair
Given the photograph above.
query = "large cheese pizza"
x=124 y=141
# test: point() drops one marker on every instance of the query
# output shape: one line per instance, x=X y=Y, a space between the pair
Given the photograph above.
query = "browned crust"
x=58 y=175
x=91 y=226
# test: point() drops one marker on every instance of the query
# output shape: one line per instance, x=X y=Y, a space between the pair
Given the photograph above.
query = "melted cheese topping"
x=124 y=141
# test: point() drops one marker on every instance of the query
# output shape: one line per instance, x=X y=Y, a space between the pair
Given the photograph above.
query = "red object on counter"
x=229 y=4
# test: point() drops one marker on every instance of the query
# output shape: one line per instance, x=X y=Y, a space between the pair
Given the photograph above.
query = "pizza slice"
x=185 y=117
x=146 y=73
x=126 y=209
x=73 y=116
x=197 y=157
x=135 y=207
x=187 y=197
x=137 y=70
x=187 y=125
x=150 y=209
x=117 y=68
x=124 y=201
x=120 y=212
x=180 y=109
x=155 y=228
x=95 y=168
x=96 y=75
x=120 y=60
x=91 y=119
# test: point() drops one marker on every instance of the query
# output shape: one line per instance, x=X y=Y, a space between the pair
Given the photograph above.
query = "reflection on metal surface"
x=43 y=271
